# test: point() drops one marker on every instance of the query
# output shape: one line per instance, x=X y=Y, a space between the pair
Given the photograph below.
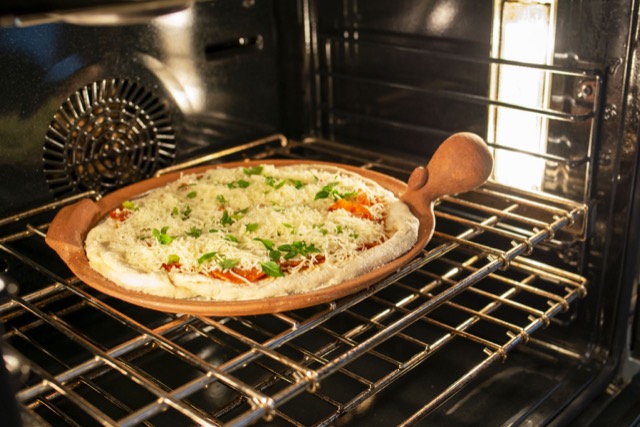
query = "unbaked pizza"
x=247 y=233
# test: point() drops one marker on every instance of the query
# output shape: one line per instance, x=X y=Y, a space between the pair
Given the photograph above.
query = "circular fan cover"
x=106 y=135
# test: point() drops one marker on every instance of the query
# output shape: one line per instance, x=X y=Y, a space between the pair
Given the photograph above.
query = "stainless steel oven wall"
x=402 y=75
x=387 y=73
x=93 y=107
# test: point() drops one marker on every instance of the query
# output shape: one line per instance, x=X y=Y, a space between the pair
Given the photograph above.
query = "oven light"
x=524 y=31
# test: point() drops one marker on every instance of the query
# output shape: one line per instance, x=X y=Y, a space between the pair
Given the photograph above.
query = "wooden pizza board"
x=461 y=163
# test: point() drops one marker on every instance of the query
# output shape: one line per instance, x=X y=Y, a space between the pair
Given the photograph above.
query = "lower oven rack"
x=89 y=359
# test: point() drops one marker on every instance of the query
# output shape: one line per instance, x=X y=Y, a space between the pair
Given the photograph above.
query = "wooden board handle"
x=461 y=163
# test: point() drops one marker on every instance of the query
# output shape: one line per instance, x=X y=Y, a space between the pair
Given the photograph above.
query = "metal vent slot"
x=105 y=135
x=470 y=293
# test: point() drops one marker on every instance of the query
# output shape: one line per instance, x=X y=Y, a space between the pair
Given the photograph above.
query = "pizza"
x=248 y=233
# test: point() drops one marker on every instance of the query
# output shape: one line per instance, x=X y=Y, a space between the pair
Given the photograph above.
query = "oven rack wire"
x=352 y=94
x=95 y=360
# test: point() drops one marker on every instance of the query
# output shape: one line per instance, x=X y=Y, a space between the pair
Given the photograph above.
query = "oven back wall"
x=95 y=107
x=400 y=74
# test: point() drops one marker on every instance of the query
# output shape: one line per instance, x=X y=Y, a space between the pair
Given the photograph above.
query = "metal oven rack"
x=92 y=359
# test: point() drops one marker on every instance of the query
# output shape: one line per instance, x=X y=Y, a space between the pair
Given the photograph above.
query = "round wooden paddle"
x=460 y=164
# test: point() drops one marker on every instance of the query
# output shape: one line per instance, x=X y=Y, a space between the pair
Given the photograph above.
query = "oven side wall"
x=352 y=49
x=212 y=71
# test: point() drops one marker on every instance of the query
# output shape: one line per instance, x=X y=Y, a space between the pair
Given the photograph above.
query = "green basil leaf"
x=226 y=218
x=129 y=205
x=241 y=183
x=347 y=196
x=240 y=213
x=191 y=194
x=268 y=244
x=271 y=269
x=194 y=232
x=256 y=170
x=274 y=255
x=161 y=236
x=321 y=195
x=206 y=257
x=228 y=264
x=231 y=238
x=297 y=184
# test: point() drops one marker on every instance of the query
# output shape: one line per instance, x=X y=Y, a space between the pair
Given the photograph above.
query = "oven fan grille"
x=107 y=134
x=461 y=306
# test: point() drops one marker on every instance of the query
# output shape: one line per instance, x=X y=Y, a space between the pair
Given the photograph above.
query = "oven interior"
x=520 y=309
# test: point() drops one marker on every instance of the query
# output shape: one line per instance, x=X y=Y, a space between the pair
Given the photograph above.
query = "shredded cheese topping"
x=249 y=224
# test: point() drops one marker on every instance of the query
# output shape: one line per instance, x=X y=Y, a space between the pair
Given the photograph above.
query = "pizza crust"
x=400 y=224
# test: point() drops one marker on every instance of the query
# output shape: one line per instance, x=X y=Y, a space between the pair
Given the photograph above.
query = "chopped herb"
x=184 y=213
x=161 y=236
x=220 y=198
x=329 y=190
x=194 y=232
x=226 y=218
x=348 y=195
x=325 y=192
x=298 y=248
x=271 y=269
x=231 y=238
x=297 y=184
x=213 y=230
x=241 y=183
x=228 y=264
x=256 y=170
x=274 y=255
x=251 y=227
x=129 y=205
x=191 y=194
x=173 y=259
x=266 y=242
x=206 y=257
x=271 y=181
x=339 y=229
x=240 y=213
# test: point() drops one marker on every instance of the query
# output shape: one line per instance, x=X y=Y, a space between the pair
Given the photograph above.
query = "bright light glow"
x=441 y=17
x=179 y=19
x=180 y=70
x=525 y=34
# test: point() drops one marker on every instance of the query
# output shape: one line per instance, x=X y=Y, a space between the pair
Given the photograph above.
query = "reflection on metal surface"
x=94 y=13
x=105 y=135
x=177 y=41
